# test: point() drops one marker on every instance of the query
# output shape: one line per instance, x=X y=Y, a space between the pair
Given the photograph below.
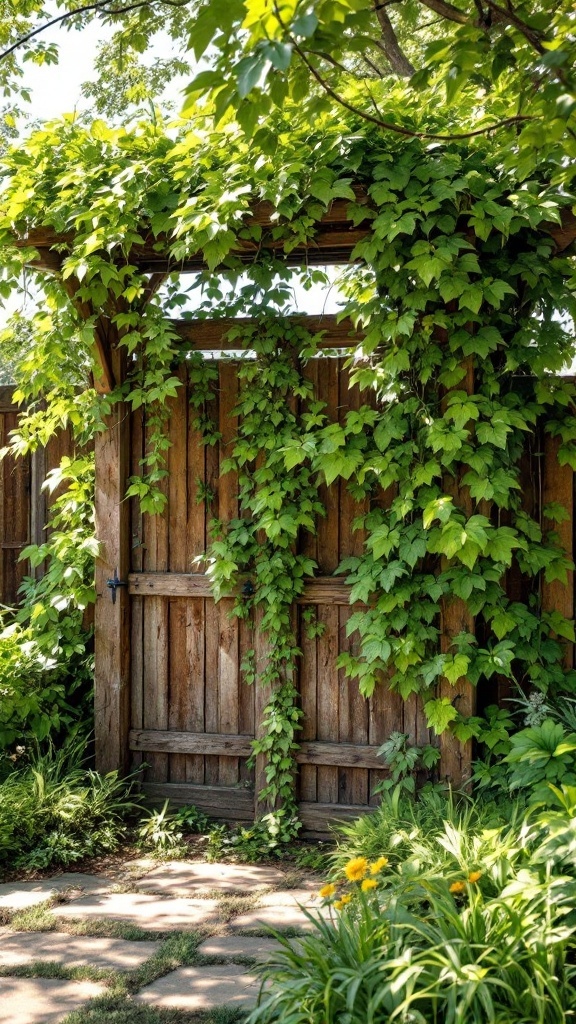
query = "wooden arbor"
x=162 y=601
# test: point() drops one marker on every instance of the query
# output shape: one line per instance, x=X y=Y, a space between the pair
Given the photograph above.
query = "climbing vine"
x=278 y=500
x=464 y=307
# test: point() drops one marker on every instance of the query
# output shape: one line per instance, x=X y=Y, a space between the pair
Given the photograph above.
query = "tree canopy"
x=424 y=67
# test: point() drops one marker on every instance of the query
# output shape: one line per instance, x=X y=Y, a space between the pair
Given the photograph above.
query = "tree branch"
x=388 y=125
x=509 y=16
x=330 y=60
x=98 y=5
x=447 y=11
x=394 y=54
x=374 y=67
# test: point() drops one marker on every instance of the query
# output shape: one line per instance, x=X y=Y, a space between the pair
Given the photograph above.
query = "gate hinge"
x=114 y=583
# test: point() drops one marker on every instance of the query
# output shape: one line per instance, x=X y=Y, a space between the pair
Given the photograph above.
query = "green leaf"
x=305 y=25
x=455 y=667
x=250 y=72
x=439 y=713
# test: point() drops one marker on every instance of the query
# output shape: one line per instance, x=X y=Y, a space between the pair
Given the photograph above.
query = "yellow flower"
x=356 y=869
x=474 y=876
x=377 y=865
x=458 y=887
x=368 y=883
x=327 y=890
x=338 y=904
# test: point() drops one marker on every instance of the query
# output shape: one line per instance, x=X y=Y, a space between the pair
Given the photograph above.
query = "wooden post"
x=38 y=504
x=455 y=618
x=262 y=695
x=112 y=618
x=558 y=486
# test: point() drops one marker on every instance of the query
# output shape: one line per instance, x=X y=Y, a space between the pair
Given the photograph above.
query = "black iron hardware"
x=114 y=583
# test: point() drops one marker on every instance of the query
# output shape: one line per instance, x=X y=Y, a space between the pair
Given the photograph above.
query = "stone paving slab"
x=312 y=884
x=277 y=917
x=18 y=948
x=22 y=895
x=147 y=912
x=202 y=988
x=177 y=877
x=43 y=1000
x=234 y=947
x=290 y=898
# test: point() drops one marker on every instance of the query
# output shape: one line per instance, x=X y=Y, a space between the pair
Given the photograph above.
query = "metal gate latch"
x=115 y=582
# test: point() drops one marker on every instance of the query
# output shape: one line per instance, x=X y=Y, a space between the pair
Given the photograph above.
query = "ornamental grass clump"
x=56 y=811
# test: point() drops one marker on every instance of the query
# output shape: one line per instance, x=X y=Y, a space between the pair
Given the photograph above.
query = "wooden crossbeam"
x=333 y=242
x=342 y=755
x=321 y=590
x=231 y=803
x=210 y=335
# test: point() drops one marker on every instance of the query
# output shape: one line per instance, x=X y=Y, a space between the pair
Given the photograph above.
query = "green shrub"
x=268 y=837
x=540 y=755
x=33 y=698
x=55 y=811
x=402 y=826
x=458 y=920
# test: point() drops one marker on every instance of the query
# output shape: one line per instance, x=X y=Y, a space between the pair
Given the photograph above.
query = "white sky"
x=55 y=88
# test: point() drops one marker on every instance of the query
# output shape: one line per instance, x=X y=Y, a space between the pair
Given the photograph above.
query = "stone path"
x=220 y=905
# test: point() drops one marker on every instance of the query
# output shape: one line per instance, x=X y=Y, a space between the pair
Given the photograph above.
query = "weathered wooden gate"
x=193 y=716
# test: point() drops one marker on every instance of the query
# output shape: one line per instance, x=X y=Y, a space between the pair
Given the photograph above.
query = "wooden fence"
x=24 y=505
x=192 y=715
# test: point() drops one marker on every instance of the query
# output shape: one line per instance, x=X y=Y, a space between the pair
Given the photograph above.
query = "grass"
x=53 y=969
x=231 y=906
x=118 y=1009
x=39 y=919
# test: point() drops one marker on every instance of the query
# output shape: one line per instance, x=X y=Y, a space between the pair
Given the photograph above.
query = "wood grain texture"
x=171 y=741
x=229 y=630
x=558 y=486
x=211 y=335
x=178 y=688
x=316 y=818
x=112 y=620
x=328 y=590
x=225 y=803
x=353 y=782
x=226 y=745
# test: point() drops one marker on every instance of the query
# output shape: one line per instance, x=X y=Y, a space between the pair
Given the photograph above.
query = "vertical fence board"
x=308 y=676
x=178 y=688
x=558 y=486
x=228 y=648
x=112 y=620
x=195 y=661
x=156 y=638
x=137 y=603
x=327 y=699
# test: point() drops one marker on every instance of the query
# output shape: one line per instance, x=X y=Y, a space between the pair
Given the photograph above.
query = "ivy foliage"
x=463 y=304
